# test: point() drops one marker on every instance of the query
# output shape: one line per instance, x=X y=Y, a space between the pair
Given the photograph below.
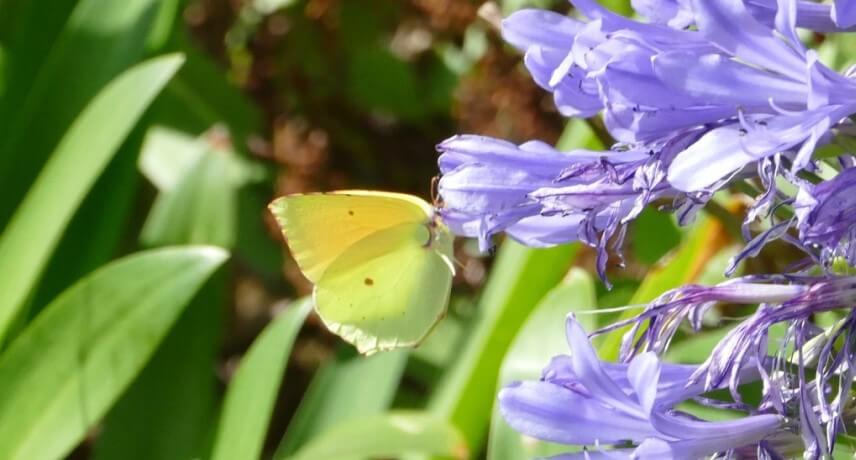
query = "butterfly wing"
x=320 y=227
x=389 y=289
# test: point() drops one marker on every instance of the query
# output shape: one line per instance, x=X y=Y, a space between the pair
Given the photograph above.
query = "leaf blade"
x=64 y=371
x=390 y=435
x=87 y=147
x=251 y=395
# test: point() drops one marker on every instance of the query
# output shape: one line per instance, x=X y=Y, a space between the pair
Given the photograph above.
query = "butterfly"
x=381 y=263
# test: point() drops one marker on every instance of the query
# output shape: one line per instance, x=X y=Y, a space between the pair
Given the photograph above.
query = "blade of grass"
x=85 y=150
x=71 y=364
x=252 y=392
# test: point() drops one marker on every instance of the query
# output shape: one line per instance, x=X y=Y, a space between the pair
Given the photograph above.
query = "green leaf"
x=519 y=279
x=83 y=153
x=168 y=155
x=198 y=203
x=253 y=390
x=72 y=363
x=390 y=435
x=330 y=399
x=100 y=223
x=540 y=339
x=166 y=413
x=654 y=234
x=683 y=266
x=53 y=78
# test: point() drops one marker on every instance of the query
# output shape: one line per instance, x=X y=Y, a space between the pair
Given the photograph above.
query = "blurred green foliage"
x=131 y=132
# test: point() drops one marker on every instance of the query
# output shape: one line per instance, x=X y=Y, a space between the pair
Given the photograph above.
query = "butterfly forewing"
x=320 y=227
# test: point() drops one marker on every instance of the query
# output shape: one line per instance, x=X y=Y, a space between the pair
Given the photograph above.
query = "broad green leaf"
x=654 y=234
x=52 y=82
x=541 y=338
x=166 y=413
x=683 y=266
x=253 y=390
x=519 y=279
x=85 y=150
x=70 y=365
x=695 y=348
x=442 y=346
x=168 y=155
x=167 y=19
x=198 y=203
x=95 y=233
x=332 y=396
x=391 y=435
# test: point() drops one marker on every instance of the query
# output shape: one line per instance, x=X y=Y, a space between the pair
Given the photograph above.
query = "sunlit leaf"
x=61 y=54
x=71 y=364
x=166 y=413
x=252 y=392
x=199 y=197
x=390 y=435
x=84 y=151
x=330 y=398
x=168 y=155
x=519 y=279
x=541 y=338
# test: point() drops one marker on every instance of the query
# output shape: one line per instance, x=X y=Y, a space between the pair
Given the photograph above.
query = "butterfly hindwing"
x=386 y=291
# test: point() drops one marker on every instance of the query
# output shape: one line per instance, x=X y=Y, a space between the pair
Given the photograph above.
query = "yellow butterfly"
x=381 y=263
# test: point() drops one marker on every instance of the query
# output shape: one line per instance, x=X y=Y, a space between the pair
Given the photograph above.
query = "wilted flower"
x=583 y=401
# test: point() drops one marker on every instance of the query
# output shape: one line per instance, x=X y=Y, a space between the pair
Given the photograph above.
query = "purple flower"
x=786 y=100
x=844 y=13
x=819 y=17
x=826 y=215
x=543 y=197
x=751 y=84
x=583 y=401
x=789 y=300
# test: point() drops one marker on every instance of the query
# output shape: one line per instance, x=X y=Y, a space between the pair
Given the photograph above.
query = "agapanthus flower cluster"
x=699 y=95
